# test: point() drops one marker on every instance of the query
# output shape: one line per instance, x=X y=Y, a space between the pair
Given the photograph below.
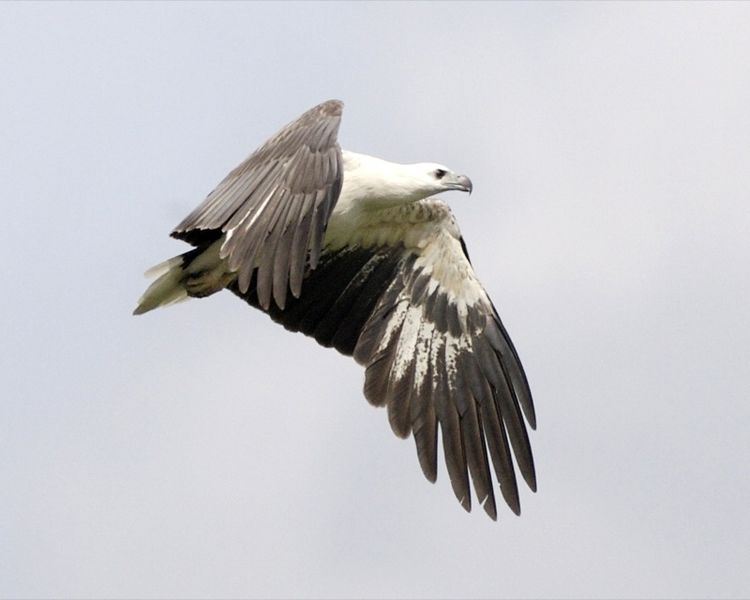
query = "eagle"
x=359 y=253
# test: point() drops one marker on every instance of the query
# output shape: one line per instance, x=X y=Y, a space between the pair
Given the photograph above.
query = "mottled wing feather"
x=274 y=207
x=435 y=354
x=450 y=363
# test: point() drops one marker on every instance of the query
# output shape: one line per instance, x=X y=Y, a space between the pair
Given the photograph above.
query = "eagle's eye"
x=440 y=173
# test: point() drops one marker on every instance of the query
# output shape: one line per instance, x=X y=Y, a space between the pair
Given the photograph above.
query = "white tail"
x=198 y=273
x=168 y=287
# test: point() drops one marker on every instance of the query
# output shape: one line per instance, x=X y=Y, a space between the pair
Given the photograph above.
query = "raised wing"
x=436 y=353
x=274 y=207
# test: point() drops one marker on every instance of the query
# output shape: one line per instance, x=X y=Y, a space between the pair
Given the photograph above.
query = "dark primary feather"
x=274 y=207
x=354 y=297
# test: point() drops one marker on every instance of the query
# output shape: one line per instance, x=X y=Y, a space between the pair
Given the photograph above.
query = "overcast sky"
x=202 y=450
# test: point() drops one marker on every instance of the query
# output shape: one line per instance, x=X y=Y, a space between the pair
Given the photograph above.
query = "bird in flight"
x=358 y=253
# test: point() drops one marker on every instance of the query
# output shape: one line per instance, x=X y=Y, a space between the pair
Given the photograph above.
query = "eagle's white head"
x=433 y=178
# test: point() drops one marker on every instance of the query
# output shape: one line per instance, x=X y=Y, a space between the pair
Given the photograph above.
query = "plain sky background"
x=202 y=450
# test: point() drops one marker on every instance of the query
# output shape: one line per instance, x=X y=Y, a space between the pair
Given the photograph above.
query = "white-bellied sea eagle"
x=358 y=253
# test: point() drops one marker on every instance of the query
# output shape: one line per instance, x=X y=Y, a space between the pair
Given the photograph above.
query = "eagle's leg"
x=207 y=282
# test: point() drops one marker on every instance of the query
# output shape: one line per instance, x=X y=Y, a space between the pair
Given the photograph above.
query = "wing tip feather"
x=331 y=108
x=490 y=507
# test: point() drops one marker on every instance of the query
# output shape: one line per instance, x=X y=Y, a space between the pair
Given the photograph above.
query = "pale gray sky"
x=202 y=450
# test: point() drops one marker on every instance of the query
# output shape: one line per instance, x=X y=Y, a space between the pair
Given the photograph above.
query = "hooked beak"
x=462 y=183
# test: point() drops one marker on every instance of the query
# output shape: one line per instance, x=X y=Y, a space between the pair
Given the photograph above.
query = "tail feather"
x=198 y=273
x=168 y=287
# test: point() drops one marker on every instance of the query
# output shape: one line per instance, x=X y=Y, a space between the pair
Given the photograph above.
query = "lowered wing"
x=412 y=311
